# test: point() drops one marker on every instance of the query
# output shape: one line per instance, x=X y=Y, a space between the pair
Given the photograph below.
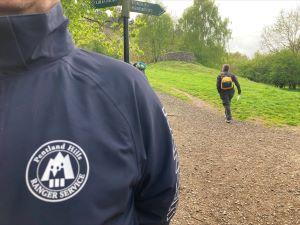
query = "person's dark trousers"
x=226 y=97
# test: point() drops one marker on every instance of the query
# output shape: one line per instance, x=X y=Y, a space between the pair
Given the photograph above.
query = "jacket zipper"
x=2 y=108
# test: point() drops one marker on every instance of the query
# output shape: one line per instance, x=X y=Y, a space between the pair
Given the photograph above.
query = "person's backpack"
x=141 y=66
x=226 y=82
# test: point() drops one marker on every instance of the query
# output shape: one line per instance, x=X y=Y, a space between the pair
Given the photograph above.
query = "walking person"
x=140 y=66
x=225 y=87
x=84 y=140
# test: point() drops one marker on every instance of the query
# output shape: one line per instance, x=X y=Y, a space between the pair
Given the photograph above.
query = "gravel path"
x=234 y=174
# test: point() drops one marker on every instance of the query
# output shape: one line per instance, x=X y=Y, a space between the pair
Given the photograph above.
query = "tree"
x=154 y=35
x=85 y=23
x=98 y=30
x=286 y=69
x=281 y=69
x=204 y=32
x=235 y=60
x=284 y=34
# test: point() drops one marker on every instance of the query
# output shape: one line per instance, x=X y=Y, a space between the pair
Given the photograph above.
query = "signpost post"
x=126 y=15
x=127 y=7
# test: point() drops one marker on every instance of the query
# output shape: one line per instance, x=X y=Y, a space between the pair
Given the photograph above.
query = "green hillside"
x=259 y=101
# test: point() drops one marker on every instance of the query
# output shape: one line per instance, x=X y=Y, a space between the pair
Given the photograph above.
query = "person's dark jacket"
x=234 y=79
x=84 y=118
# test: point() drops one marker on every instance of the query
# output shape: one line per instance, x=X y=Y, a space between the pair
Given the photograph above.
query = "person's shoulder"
x=120 y=81
x=233 y=75
x=101 y=67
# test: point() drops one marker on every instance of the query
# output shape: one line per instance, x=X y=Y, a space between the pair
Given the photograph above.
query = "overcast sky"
x=248 y=18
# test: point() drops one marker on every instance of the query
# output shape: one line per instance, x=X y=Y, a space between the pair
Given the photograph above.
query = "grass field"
x=259 y=101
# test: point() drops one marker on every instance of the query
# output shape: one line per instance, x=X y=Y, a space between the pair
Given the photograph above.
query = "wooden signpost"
x=127 y=7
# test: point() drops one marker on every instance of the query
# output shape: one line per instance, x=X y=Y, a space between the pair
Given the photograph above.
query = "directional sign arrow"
x=146 y=8
x=106 y=3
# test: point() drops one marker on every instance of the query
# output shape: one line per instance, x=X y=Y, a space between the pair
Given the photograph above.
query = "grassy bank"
x=259 y=101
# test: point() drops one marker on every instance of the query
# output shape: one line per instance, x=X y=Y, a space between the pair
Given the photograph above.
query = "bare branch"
x=284 y=34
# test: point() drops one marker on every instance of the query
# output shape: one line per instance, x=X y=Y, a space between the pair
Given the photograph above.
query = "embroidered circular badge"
x=57 y=171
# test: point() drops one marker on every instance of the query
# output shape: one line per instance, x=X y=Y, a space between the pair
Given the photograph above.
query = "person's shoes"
x=228 y=121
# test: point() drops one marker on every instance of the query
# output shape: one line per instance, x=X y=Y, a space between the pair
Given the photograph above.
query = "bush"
x=281 y=69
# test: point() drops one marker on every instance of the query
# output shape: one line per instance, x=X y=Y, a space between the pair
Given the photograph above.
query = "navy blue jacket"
x=83 y=138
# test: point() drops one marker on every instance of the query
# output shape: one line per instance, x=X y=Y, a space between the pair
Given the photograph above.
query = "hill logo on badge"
x=57 y=171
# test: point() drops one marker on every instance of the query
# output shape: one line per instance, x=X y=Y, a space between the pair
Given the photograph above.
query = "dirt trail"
x=235 y=174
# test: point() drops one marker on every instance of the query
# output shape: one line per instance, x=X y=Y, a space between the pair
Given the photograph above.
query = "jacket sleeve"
x=219 y=84
x=156 y=195
x=235 y=80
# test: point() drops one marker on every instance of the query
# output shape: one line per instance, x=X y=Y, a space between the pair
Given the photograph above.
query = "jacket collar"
x=25 y=39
